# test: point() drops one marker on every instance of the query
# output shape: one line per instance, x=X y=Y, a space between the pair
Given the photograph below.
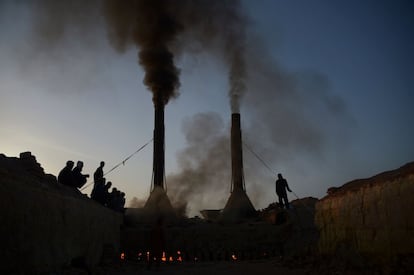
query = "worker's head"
x=79 y=164
x=279 y=176
x=70 y=164
x=102 y=163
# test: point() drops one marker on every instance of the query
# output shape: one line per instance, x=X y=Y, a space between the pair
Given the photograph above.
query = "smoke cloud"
x=205 y=162
x=162 y=29
x=150 y=25
x=284 y=120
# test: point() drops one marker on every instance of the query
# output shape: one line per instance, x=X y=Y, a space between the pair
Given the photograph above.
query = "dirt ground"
x=267 y=267
x=217 y=268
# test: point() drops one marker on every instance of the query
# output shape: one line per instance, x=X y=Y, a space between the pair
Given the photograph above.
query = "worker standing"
x=281 y=186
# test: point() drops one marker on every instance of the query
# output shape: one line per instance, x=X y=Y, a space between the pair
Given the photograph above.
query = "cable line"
x=264 y=163
x=260 y=159
x=273 y=172
x=122 y=162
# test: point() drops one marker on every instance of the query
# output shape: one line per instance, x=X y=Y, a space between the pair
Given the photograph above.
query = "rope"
x=260 y=159
x=122 y=162
x=271 y=171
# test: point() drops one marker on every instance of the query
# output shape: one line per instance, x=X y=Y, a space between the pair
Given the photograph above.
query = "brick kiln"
x=236 y=232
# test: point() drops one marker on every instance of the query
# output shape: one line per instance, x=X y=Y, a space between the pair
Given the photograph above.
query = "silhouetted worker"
x=98 y=181
x=65 y=175
x=113 y=198
x=281 y=186
x=122 y=203
x=79 y=179
x=98 y=192
x=106 y=194
x=98 y=175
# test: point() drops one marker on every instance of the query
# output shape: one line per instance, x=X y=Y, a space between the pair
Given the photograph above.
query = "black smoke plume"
x=152 y=27
x=161 y=29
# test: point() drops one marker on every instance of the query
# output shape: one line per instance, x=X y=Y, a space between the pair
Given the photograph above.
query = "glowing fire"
x=163 y=258
x=179 y=258
x=234 y=257
x=122 y=256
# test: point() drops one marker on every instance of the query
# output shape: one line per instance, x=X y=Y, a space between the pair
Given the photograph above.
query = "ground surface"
x=269 y=267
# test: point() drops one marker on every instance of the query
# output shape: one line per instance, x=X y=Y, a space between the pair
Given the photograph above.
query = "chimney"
x=238 y=206
x=236 y=154
x=158 y=204
x=158 y=167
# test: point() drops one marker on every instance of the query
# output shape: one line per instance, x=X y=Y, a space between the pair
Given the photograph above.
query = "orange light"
x=179 y=258
x=234 y=257
x=163 y=258
x=171 y=259
x=122 y=256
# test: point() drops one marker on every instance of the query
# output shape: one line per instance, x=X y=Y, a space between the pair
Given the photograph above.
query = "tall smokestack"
x=158 y=168
x=238 y=206
x=158 y=203
x=236 y=154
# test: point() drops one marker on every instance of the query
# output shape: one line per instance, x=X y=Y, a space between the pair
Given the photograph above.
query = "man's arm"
x=287 y=186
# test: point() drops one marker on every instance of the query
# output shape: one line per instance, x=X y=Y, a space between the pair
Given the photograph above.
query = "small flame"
x=171 y=259
x=179 y=258
x=163 y=258
x=123 y=256
x=234 y=257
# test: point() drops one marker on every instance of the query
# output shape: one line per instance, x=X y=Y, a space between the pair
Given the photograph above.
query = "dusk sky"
x=329 y=98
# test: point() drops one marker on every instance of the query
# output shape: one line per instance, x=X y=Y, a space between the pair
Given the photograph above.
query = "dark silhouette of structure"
x=159 y=143
x=157 y=242
x=158 y=201
x=238 y=206
x=281 y=186
x=65 y=176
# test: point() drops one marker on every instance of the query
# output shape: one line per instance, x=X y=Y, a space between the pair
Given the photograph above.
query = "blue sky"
x=351 y=63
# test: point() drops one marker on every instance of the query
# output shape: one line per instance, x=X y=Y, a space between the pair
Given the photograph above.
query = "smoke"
x=284 y=120
x=205 y=163
x=152 y=26
x=162 y=29
x=136 y=203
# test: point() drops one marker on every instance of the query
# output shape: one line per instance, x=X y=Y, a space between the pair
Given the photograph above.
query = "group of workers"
x=73 y=177
x=115 y=200
x=100 y=192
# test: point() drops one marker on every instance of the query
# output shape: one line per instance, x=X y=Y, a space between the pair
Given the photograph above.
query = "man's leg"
x=286 y=202
x=280 y=201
